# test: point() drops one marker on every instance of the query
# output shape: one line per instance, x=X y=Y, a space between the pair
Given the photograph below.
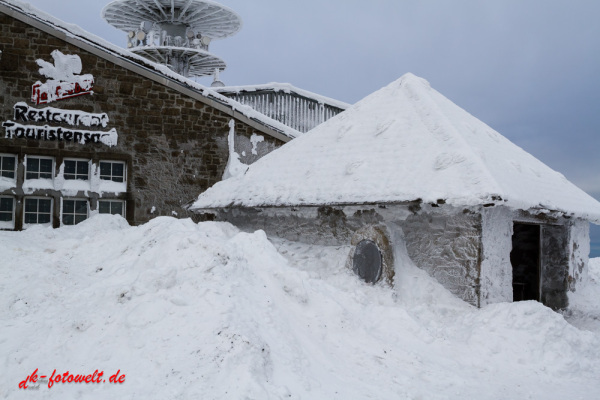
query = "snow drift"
x=205 y=311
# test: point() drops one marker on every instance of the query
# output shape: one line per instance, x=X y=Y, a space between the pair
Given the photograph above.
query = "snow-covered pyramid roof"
x=402 y=143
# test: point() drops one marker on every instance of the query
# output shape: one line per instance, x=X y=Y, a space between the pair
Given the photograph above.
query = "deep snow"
x=204 y=311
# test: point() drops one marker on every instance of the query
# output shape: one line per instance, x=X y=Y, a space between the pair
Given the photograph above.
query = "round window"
x=367 y=262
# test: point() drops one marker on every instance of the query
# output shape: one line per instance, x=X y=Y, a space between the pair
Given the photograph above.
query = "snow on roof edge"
x=196 y=206
x=286 y=88
x=78 y=33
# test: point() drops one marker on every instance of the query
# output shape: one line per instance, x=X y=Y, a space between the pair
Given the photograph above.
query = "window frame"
x=7 y=155
x=123 y=202
x=74 y=213
x=111 y=174
x=52 y=169
x=77 y=160
x=27 y=224
x=14 y=209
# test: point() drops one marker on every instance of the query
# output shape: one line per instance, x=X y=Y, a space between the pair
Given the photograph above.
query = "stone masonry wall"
x=555 y=266
x=175 y=147
x=444 y=242
x=448 y=247
x=330 y=226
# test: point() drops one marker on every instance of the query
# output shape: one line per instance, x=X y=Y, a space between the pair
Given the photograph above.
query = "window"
x=38 y=211
x=74 y=211
x=7 y=212
x=77 y=169
x=112 y=171
x=8 y=164
x=367 y=262
x=114 y=207
x=39 y=168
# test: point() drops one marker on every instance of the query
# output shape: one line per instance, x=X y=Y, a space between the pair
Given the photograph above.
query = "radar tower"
x=176 y=33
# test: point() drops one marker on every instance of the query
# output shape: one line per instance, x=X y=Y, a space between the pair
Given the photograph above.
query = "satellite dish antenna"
x=141 y=35
x=205 y=40
x=146 y=26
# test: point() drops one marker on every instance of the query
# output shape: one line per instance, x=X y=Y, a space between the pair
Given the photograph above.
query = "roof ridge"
x=433 y=106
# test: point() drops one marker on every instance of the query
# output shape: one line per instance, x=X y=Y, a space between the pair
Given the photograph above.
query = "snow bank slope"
x=203 y=311
x=402 y=143
x=584 y=304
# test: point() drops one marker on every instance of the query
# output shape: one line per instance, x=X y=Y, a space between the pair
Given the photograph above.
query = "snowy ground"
x=190 y=311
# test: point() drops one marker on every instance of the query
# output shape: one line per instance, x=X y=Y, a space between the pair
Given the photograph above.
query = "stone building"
x=89 y=127
x=406 y=176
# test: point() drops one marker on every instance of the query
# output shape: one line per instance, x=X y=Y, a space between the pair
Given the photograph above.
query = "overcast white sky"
x=528 y=68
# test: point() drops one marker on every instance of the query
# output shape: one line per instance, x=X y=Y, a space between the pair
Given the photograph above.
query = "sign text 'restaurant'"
x=53 y=115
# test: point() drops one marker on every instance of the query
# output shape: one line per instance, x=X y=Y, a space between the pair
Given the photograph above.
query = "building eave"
x=285 y=88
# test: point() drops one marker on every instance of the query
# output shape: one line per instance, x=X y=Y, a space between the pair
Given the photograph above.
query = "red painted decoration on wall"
x=50 y=91
x=63 y=81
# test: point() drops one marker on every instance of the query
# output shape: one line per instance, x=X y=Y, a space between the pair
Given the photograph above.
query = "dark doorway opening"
x=525 y=260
